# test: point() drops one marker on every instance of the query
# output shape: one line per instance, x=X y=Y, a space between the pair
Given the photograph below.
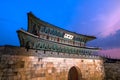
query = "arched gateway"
x=74 y=74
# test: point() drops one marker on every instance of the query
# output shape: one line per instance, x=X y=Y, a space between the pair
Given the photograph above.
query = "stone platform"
x=16 y=63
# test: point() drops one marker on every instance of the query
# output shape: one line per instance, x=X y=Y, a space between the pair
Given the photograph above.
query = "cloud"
x=112 y=41
x=110 y=45
x=110 y=53
x=110 y=22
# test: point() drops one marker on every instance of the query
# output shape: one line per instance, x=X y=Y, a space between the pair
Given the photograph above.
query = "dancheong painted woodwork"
x=44 y=36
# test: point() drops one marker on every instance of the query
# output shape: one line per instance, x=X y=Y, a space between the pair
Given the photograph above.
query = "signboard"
x=68 y=36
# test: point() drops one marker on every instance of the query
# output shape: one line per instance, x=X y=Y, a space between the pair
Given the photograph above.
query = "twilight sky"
x=100 y=18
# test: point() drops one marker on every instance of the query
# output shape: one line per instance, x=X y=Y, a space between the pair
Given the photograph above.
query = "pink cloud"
x=112 y=53
x=110 y=23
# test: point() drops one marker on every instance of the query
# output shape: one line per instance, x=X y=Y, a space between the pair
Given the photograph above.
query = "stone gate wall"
x=19 y=64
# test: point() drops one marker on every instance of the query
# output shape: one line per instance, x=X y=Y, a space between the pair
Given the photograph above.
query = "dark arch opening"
x=74 y=73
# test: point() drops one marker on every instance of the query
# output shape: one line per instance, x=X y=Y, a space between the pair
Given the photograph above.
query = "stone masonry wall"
x=18 y=64
x=112 y=71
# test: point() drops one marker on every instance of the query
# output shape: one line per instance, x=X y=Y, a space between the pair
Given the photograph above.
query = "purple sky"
x=100 y=18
